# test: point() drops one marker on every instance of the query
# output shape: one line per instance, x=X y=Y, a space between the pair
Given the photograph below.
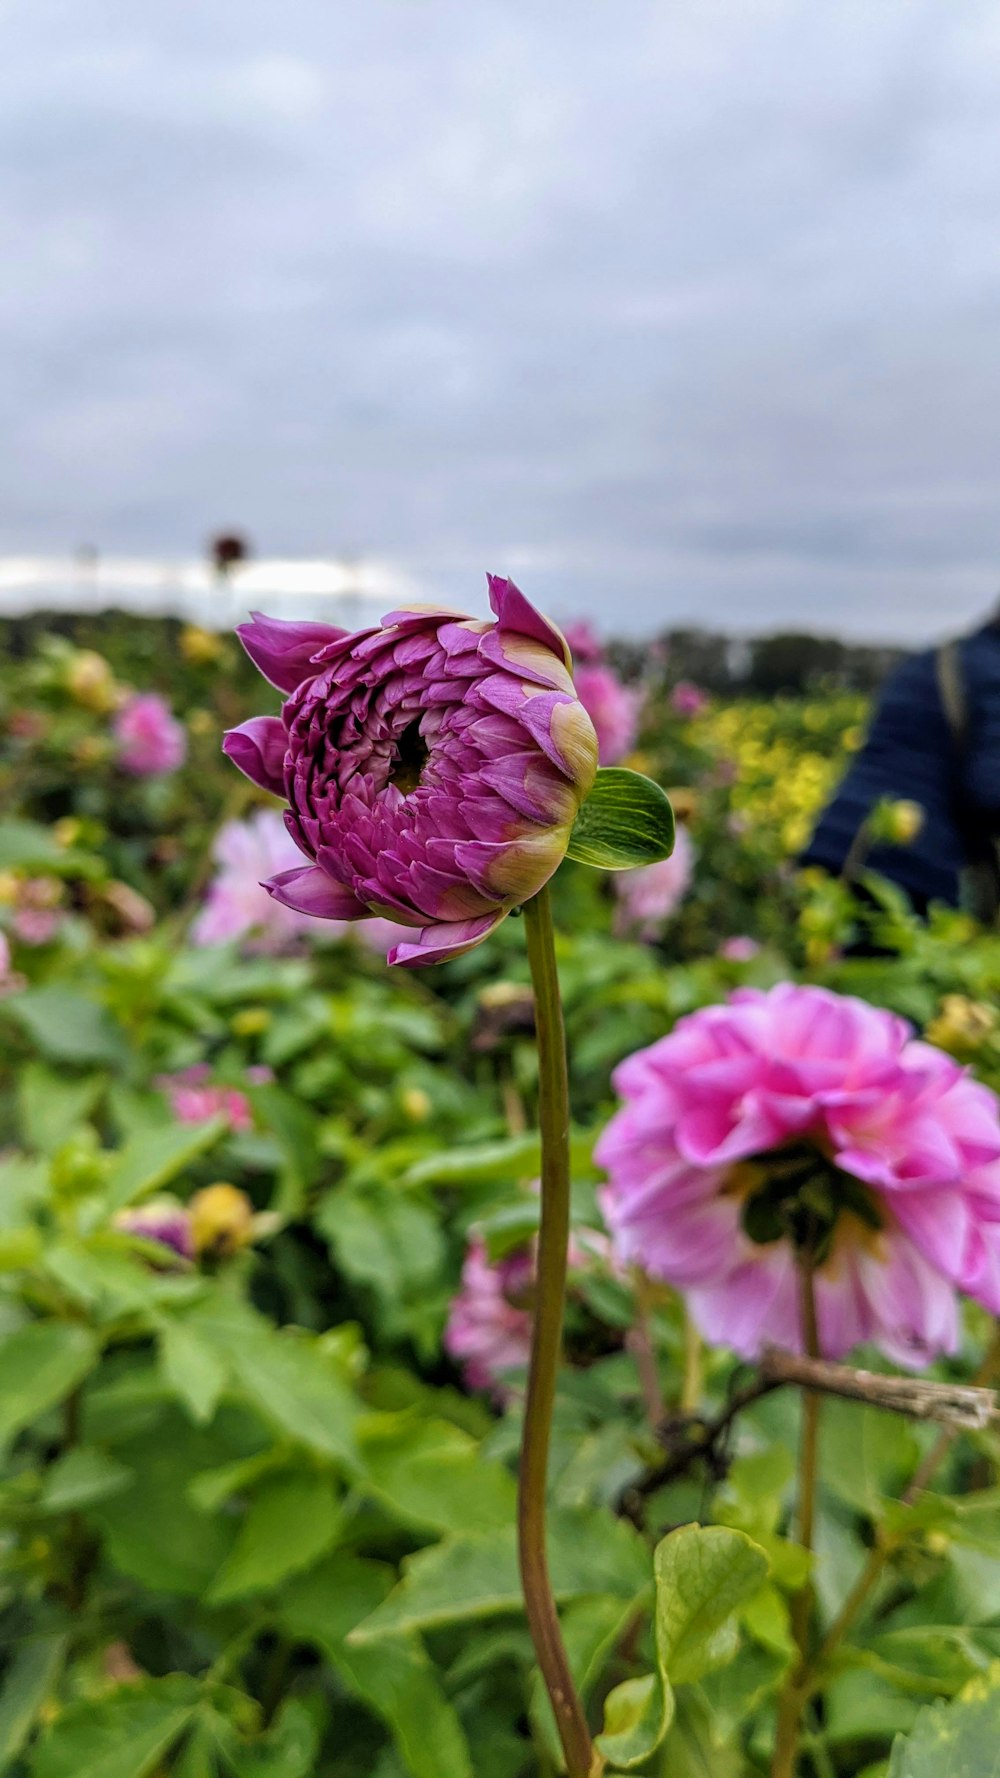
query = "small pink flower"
x=747 y=1106
x=433 y=766
x=647 y=897
x=237 y=904
x=194 y=1098
x=10 y=981
x=739 y=949
x=150 y=741
x=687 y=699
x=613 y=709
x=37 y=914
x=489 y=1326
x=163 y=1220
x=584 y=643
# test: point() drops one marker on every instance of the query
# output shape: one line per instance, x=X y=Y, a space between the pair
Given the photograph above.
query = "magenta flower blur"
x=649 y=896
x=195 y=1098
x=237 y=905
x=489 y=1325
x=163 y=1220
x=613 y=709
x=688 y=699
x=801 y=1117
x=433 y=766
x=739 y=949
x=584 y=643
x=150 y=740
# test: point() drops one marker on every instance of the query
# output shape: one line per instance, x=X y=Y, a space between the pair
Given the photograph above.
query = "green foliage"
x=961 y=1739
x=626 y=820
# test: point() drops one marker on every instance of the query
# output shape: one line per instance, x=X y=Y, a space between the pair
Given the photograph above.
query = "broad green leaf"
x=106 y=1282
x=28 y=846
x=124 y=1736
x=288 y=1750
x=496 y=1163
x=52 y=1104
x=468 y=1577
x=384 y=1240
x=393 y=1677
x=290 y=1523
x=429 y=1473
x=28 y=1683
x=152 y=1532
x=152 y=1159
x=956 y=1740
x=703 y=1575
x=81 y=1477
x=626 y=821
x=66 y=1026
x=39 y=1366
x=285 y=1376
x=195 y=1370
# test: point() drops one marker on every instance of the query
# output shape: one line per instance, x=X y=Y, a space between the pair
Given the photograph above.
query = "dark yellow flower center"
x=412 y=754
x=796 y=1193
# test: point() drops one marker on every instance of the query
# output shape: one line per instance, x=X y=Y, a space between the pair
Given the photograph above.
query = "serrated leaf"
x=39 y=1366
x=956 y=1740
x=291 y=1522
x=123 y=1736
x=285 y=1376
x=431 y=1474
x=625 y=822
x=195 y=1371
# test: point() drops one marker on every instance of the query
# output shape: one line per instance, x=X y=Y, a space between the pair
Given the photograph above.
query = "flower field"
x=267 y=1265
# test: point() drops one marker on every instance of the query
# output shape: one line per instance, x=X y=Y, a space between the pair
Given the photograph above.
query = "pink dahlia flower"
x=163 y=1220
x=647 y=897
x=489 y=1326
x=801 y=1116
x=613 y=709
x=687 y=699
x=433 y=766
x=584 y=643
x=150 y=741
x=739 y=949
x=194 y=1098
x=237 y=903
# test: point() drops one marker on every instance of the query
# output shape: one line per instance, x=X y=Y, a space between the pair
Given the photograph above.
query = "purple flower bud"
x=433 y=766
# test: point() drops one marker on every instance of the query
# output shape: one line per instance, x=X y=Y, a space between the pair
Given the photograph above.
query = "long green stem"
x=792 y=1698
x=546 y=1344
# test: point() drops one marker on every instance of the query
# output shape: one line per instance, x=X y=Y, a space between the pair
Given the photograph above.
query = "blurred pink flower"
x=195 y=1098
x=688 y=699
x=37 y=914
x=237 y=904
x=796 y=1115
x=647 y=897
x=489 y=1326
x=584 y=643
x=10 y=981
x=150 y=740
x=613 y=709
x=163 y=1220
x=739 y=949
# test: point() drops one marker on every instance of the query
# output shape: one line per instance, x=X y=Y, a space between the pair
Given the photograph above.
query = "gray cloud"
x=683 y=312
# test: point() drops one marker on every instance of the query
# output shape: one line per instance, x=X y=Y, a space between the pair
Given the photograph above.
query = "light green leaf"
x=66 y=1026
x=84 y=1475
x=285 y=1375
x=152 y=1159
x=956 y=1740
x=151 y=1530
x=28 y=1684
x=429 y=1473
x=496 y=1163
x=195 y=1370
x=52 y=1104
x=394 y=1677
x=28 y=846
x=468 y=1576
x=626 y=821
x=39 y=1366
x=288 y=1750
x=291 y=1522
x=636 y=1715
x=124 y=1736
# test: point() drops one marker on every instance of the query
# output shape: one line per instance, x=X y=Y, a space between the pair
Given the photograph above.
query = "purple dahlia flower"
x=433 y=766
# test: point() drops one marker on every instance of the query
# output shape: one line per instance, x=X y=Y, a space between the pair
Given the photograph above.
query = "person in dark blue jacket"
x=934 y=740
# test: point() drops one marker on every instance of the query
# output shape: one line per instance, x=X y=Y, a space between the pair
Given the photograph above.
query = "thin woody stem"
x=546 y=1345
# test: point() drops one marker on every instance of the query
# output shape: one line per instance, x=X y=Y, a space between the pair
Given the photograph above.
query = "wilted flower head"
x=433 y=766
x=687 y=699
x=613 y=709
x=195 y=1098
x=163 y=1220
x=797 y=1118
x=149 y=739
x=237 y=903
x=647 y=897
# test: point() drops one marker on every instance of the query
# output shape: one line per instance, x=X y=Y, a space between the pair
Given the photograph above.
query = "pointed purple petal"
x=309 y=890
x=283 y=651
x=515 y=612
x=258 y=748
x=436 y=944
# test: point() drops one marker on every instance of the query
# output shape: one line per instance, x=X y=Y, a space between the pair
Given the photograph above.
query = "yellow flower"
x=222 y=1220
x=962 y=1025
x=201 y=647
x=90 y=681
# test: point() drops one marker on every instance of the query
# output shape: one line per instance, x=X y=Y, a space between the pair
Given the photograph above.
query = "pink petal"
x=436 y=944
x=283 y=651
x=514 y=612
x=310 y=891
x=258 y=748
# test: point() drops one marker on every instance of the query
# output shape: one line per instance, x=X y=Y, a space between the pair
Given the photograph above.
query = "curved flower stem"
x=546 y=1342
x=793 y=1698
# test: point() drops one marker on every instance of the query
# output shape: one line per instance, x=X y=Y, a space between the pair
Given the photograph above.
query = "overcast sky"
x=676 y=309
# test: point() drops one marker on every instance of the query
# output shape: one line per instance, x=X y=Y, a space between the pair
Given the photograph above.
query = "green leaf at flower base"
x=626 y=821
x=956 y=1740
x=123 y=1736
